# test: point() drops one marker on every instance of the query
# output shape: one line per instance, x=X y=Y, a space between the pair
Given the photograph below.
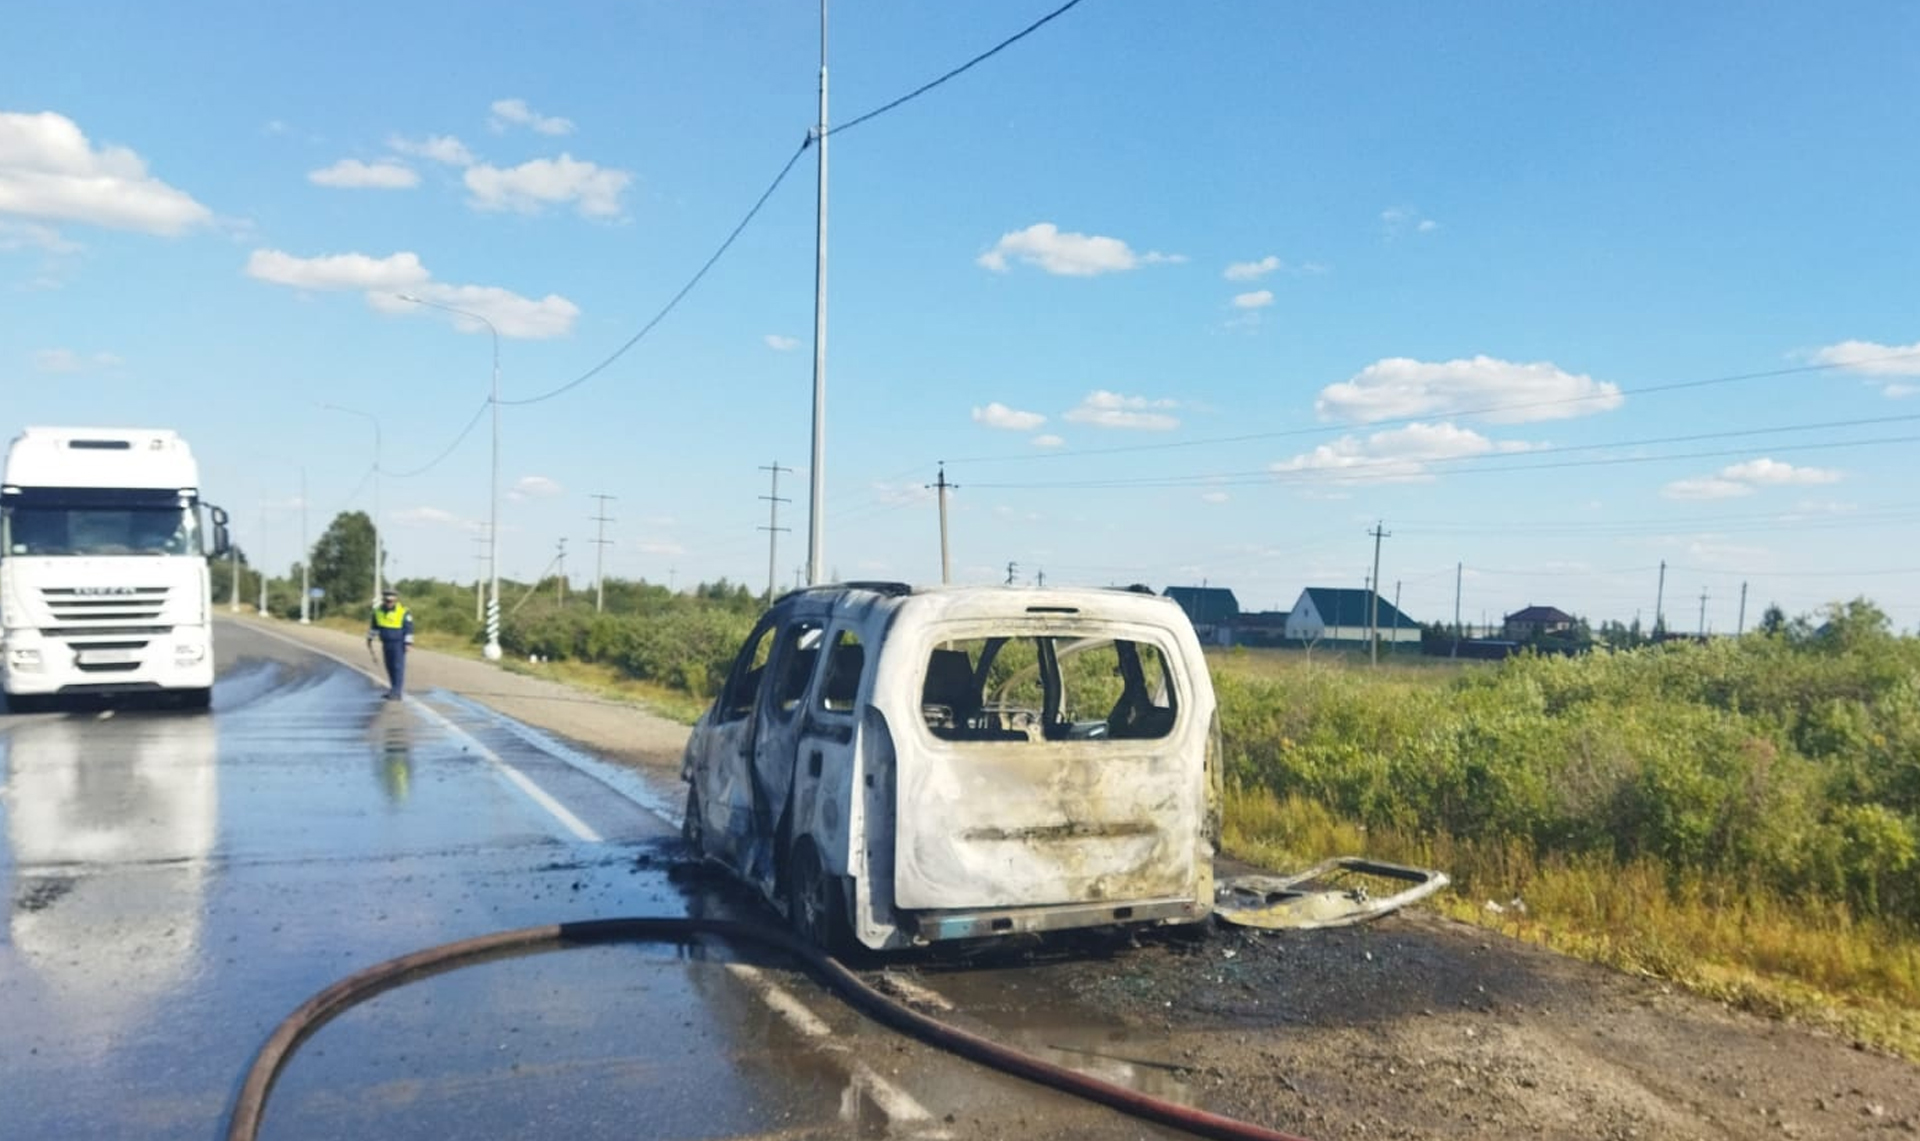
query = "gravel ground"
x=1412 y=1026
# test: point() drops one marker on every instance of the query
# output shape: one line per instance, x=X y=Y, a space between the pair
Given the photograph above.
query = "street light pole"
x=492 y=649
x=376 y=492
x=306 y=557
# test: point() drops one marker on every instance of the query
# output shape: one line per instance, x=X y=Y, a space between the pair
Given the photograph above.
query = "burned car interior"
x=1047 y=688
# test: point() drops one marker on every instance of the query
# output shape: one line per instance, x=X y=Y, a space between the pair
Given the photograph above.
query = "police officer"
x=393 y=625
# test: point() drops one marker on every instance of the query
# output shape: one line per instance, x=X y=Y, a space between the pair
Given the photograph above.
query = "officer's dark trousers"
x=394 y=650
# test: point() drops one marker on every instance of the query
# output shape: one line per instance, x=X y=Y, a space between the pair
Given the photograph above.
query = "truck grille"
x=79 y=609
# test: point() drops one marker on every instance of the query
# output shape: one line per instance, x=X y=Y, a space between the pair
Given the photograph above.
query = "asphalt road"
x=178 y=882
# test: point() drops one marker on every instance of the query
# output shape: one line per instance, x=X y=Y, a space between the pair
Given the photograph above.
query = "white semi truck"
x=103 y=567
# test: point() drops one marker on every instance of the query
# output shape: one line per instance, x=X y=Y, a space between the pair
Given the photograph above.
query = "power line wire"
x=437 y=460
x=677 y=297
x=967 y=66
x=775 y=185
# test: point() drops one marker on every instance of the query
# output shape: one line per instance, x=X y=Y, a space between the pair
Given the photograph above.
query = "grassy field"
x=1735 y=819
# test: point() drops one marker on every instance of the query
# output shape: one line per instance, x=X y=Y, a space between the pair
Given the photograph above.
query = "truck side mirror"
x=222 y=542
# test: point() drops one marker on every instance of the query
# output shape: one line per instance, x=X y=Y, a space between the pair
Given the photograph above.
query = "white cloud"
x=781 y=344
x=1068 y=255
x=1498 y=391
x=513 y=315
x=428 y=516
x=1775 y=473
x=1871 y=359
x=1867 y=358
x=1398 y=220
x=532 y=186
x=68 y=361
x=1105 y=409
x=1214 y=497
x=352 y=174
x=1049 y=440
x=1706 y=487
x=33 y=235
x=1258 y=299
x=1253 y=270
x=48 y=169
x=338 y=271
x=534 y=487
x=1397 y=454
x=1746 y=478
x=435 y=148
x=515 y=112
x=659 y=547
x=998 y=415
x=384 y=279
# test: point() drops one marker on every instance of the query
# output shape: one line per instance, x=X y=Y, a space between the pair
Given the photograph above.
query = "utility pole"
x=946 y=563
x=306 y=557
x=1040 y=577
x=1379 y=532
x=1395 y=644
x=1703 y=612
x=560 y=574
x=479 y=578
x=1458 y=570
x=1742 y=627
x=1659 y=600
x=263 y=576
x=816 y=472
x=600 y=554
x=773 y=527
x=1011 y=568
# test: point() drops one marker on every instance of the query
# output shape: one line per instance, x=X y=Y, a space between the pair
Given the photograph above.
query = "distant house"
x=1536 y=621
x=1260 y=628
x=1212 y=610
x=1326 y=613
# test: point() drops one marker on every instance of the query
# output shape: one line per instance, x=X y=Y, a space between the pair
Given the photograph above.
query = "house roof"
x=1338 y=606
x=1264 y=619
x=1205 y=605
x=1547 y=615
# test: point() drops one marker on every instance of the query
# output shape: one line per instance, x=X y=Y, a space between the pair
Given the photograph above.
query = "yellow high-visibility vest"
x=394 y=619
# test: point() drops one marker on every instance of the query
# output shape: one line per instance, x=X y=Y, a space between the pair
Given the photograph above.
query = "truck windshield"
x=93 y=521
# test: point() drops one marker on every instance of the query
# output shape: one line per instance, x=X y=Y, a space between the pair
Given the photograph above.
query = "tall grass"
x=1740 y=817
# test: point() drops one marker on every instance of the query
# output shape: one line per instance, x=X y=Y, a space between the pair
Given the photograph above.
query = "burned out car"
x=895 y=766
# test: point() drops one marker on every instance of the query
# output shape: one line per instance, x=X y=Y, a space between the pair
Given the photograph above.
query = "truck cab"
x=103 y=566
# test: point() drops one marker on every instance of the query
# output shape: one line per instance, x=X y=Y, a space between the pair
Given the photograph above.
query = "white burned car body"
x=896 y=766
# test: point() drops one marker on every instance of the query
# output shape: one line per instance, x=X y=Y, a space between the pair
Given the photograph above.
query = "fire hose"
x=250 y=1104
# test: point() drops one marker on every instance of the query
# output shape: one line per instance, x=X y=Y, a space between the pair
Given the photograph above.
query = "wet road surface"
x=178 y=882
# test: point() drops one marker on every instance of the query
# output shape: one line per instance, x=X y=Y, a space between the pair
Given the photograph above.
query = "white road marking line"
x=899 y=1105
x=896 y=1103
x=514 y=776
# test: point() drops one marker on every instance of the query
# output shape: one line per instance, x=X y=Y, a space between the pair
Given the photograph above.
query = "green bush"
x=1790 y=759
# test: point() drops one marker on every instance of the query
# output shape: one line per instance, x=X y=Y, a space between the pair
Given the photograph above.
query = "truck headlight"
x=24 y=658
x=188 y=654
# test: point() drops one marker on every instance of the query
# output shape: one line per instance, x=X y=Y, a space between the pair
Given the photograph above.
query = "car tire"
x=693 y=827
x=817 y=901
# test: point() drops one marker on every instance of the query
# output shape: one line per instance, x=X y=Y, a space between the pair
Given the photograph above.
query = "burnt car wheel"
x=693 y=828
x=816 y=903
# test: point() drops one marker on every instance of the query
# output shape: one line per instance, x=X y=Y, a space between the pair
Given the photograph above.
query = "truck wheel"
x=816 y=901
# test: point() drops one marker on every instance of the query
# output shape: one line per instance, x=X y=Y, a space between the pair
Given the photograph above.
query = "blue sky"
x=1179 y=293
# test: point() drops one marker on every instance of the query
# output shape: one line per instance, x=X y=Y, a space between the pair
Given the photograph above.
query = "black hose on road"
x=250 y=1105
